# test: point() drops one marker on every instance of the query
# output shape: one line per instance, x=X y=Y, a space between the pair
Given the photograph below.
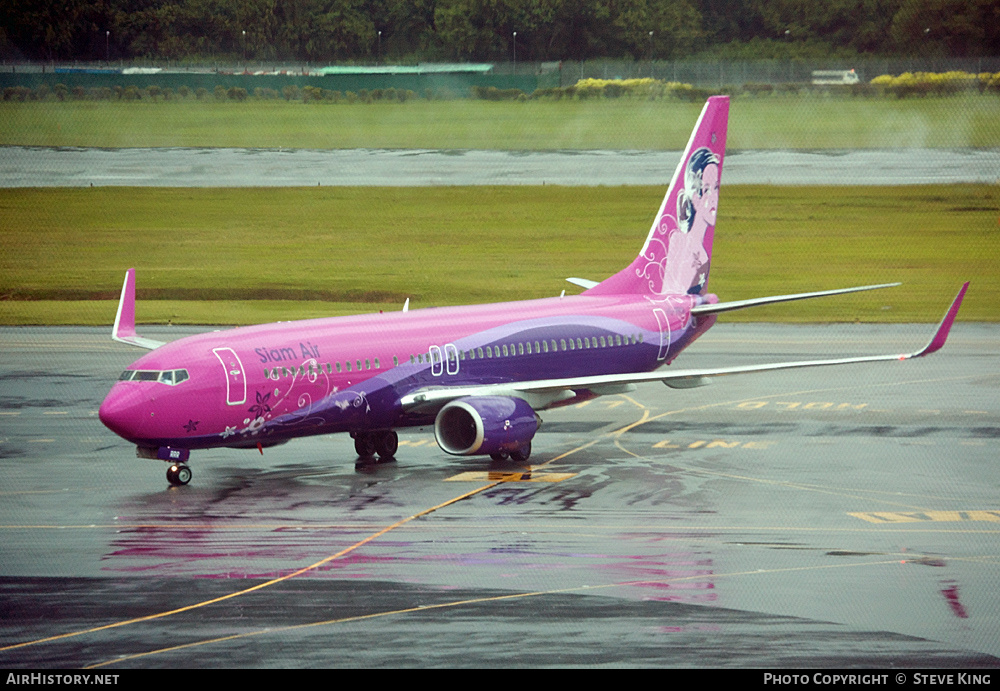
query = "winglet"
x=125 y=319
x=942 y=332
x=124 y=329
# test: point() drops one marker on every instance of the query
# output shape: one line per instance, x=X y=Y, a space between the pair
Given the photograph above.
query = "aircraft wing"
x=124 y=329
x=545 y=392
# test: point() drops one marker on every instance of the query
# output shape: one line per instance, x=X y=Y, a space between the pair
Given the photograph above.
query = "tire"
x=386 y=444
x=178 y=475
x=364 y=444
x=522 y=454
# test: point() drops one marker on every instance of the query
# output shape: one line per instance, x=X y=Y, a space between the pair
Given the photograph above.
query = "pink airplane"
x=477 y=373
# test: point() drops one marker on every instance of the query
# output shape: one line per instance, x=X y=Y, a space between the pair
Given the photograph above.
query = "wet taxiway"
x=180 y=167
x=838 y=517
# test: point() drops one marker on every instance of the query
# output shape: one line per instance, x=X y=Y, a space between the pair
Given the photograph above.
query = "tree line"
x=321 y=31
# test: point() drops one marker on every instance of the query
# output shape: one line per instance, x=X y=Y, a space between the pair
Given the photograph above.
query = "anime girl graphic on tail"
x=675 y=260
x=687 y=262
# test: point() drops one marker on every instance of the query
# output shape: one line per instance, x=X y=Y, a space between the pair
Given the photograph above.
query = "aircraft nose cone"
x=122 y=412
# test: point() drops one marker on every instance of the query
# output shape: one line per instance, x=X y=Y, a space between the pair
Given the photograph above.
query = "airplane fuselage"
x=269 y=383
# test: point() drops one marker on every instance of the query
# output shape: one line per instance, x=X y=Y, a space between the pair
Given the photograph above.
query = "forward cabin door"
x=236 y=381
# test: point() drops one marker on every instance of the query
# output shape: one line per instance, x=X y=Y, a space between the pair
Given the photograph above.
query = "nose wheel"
x=178 y=474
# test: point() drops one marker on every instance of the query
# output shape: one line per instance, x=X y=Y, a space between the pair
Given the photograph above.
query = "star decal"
x=192 y=425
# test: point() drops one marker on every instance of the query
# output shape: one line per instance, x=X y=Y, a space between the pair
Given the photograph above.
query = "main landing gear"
x=178 y=474
x=518 y=456
x=382 y=442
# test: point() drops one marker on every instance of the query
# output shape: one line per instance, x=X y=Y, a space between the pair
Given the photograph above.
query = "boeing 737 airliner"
x=478 y=374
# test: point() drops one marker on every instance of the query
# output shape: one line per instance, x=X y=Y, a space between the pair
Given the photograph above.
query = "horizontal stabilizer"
x=124 y=329
x=756 y=302
x=582 y=282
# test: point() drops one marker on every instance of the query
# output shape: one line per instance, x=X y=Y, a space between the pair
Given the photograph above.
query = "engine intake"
x=485 y=425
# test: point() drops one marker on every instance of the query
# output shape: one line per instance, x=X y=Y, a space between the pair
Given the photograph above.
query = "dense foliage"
x=538 y=30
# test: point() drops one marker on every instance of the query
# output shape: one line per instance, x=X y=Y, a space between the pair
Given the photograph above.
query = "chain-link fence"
x=525 y=76
x=737 y=72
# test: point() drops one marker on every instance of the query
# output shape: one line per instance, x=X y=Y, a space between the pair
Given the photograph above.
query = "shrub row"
x=644 y=89
x=60 y=92
x=588 y=89
x=936 y=84
x=655 y=90
x=315 y=94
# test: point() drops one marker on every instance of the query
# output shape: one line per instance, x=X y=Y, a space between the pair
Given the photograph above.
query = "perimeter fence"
x=526 y=77
x=720 y=73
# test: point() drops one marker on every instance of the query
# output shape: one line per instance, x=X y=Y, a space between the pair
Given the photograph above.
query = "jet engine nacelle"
x=485 y=425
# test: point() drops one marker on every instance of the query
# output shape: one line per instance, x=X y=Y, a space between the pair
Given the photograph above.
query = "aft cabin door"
x=664 y=325
x=236 y=382
x=451 y=358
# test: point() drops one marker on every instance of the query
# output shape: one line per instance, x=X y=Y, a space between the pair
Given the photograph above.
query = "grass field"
x=774 y=122
x=238 y=256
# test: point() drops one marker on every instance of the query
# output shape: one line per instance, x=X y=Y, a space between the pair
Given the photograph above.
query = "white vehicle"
x=834 y=77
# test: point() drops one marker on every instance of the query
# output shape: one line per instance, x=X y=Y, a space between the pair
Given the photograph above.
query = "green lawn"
x=773 y=122
x=237 y=256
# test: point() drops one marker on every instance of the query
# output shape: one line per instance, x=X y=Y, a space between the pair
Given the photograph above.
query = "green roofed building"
x=431 y=68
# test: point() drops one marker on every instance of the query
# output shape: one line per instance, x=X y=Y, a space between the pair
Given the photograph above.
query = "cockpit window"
x=170 y=377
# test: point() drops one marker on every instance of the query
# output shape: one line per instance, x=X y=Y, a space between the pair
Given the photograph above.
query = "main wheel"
x=500 y=456
x=178 y=474
x=364 y=444
x=521 y=455
x=386 y=444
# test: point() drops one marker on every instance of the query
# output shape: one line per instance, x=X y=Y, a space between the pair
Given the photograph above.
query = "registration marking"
x=715 y=444
x=509 y=476
x=923 y=516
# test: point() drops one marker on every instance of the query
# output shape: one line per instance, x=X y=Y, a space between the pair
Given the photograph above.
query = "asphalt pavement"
x=831 y=517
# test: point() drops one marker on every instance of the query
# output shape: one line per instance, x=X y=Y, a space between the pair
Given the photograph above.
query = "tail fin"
x=678 y=250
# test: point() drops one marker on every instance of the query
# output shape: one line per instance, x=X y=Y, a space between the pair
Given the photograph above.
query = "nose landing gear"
x=178 y=473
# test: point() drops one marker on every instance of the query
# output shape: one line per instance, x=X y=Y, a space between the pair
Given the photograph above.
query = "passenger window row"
x=336 y=367
x=534 y=348
x=485 y=352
